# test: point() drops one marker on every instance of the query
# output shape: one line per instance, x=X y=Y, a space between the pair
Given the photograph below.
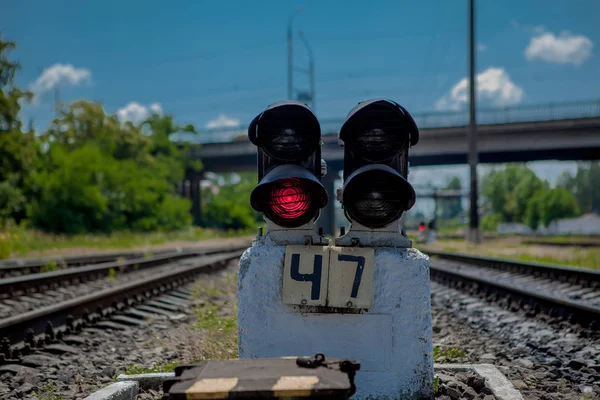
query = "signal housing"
x=376 y=137
x=288 y=137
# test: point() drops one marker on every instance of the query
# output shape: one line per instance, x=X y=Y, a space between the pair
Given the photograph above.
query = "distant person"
x=422 y=236
x=431 y=235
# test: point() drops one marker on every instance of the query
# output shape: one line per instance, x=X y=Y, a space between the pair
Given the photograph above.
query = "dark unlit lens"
x=286 y=143
x=377 y=144
x=374 y=199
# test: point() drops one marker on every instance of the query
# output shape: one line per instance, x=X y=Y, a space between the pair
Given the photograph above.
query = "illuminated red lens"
x=289 y=199
x=422 y=227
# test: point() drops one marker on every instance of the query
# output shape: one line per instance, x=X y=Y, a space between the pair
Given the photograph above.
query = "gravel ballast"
x=545 y=359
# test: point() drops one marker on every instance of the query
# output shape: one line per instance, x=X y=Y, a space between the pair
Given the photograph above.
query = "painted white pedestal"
x=392 y=340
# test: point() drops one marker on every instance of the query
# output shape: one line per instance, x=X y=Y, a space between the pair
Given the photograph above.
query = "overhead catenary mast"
x=473 y=232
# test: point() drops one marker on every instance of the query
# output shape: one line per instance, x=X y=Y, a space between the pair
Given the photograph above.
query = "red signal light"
x=289 y=199
x=422 y=228
x=289 y=195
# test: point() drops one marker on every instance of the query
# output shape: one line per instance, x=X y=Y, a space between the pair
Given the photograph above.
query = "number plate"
x=350 y=277
x=328 y=276
x=305 y=273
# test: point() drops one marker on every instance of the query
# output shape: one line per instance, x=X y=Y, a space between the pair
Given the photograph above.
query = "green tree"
x=228 y=203
x=103 y=175
x=452 y=207
x=548 y=205
x=585 y=186
x=18 y=149
x=83 y=122
x=508 y=190
x=490 y=222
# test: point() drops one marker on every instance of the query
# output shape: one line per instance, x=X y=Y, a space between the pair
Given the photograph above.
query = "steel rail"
x=55 y=278
x=522 y=296
x=17 y=328
x=563 y=273
x=35 y=265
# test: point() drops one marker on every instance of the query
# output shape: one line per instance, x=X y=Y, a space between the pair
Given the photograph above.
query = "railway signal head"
x=288 y=137
x=376 y=137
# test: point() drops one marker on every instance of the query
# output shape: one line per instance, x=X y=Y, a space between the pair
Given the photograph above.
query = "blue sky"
x=200 y=60
x=220 y=63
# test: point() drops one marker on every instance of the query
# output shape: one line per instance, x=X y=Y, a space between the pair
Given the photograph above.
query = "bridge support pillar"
x=194 y=178
x=327 y=216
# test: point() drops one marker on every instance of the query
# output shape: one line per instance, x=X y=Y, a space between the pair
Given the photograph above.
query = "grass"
x=47 y=392
x=50 y=266
x=449 y=354
x=436 y=384
x=112 y=274
x=134 y=369
x=217 y=318
x=213 y=333
x=511 y=248
x=565 y=239
x=16 y=241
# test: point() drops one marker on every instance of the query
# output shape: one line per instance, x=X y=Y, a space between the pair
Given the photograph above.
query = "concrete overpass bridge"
x=569 y=131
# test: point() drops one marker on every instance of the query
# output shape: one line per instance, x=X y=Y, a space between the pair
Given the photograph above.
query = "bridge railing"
x=438 y=119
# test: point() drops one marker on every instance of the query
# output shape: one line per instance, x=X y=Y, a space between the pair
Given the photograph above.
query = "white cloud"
x=493 y=86
x=136 y=112
x=60 y=74
x=156 y=108
x=565 y=48
x=223 y=121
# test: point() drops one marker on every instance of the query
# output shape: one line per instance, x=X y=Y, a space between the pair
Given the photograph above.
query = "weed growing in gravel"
x=213 y=334
x=448 y=354
x=47 y=392
x=134 y=369
x=49 y=266
x=436 y=383
x=112 y=274
x=217 y=317
x=208 y=319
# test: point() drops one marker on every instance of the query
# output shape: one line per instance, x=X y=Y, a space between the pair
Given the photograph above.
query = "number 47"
x=328 y=276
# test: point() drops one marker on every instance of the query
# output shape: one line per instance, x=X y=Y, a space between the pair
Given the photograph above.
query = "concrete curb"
x=126 y=387
x=502 y=388
x=117 y=391
x=147 y=381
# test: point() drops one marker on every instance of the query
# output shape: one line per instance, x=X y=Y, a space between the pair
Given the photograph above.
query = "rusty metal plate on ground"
x=263 y=378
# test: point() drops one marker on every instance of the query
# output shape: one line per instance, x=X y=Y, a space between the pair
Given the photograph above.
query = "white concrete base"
x=498 y=383
x=116 y=391
x=152 y=381
x=392 y=340
x=502 y=388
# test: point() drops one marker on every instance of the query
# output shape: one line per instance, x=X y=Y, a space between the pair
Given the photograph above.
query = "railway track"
x=38 y=282
x=21 y=333
x=555 y=290
x=25 y=266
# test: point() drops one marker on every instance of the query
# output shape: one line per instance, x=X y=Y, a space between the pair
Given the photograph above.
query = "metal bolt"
x=323 y=167
x=349 y=304
x=303 y=302
x=342 y=230
x=260 y=231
